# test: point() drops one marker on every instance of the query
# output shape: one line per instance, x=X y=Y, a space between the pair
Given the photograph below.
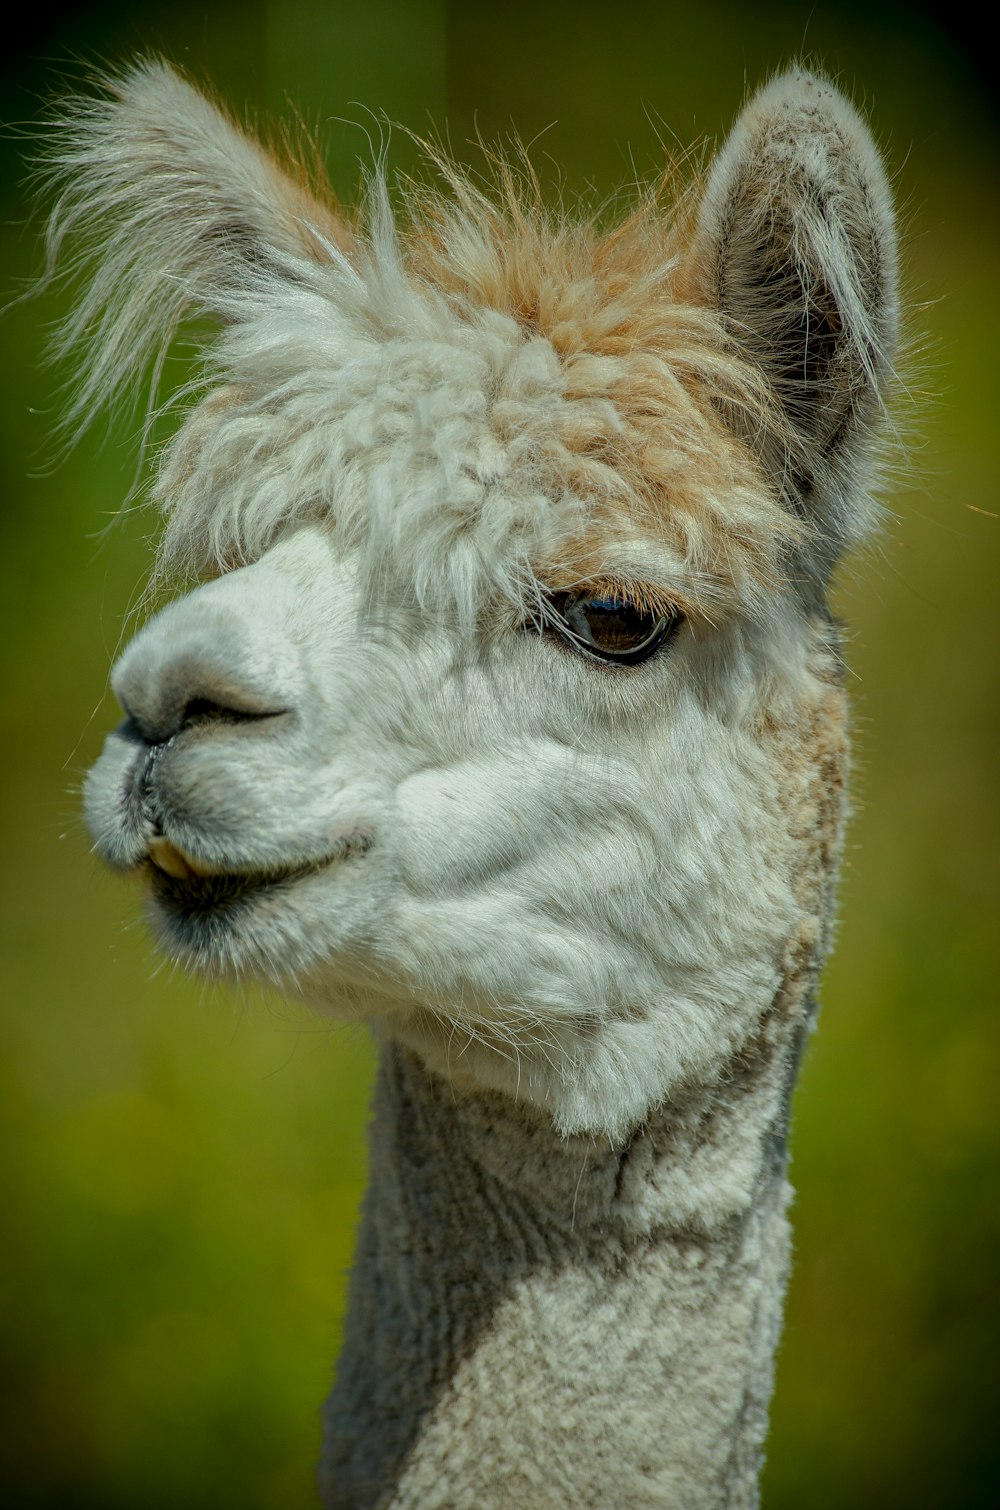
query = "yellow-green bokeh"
x=181 y=1167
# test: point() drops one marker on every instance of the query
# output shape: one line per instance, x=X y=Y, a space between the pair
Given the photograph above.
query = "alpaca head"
x=507 y=713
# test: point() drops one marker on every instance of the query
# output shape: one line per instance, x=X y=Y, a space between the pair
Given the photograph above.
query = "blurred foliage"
x=181 y=1169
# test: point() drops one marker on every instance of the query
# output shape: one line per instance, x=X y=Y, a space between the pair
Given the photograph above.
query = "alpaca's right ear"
x=796 y=249
x=173 y=210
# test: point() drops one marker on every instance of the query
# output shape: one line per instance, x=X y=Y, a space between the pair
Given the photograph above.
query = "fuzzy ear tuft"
x=174 y=209
x=796 y=247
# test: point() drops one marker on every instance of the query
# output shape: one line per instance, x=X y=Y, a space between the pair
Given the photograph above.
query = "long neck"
x=546 y=1321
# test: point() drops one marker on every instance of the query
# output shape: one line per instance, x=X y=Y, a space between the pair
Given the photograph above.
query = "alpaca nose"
x=205 y=660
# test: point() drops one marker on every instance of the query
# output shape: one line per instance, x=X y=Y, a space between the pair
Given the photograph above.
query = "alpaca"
x=508 y=716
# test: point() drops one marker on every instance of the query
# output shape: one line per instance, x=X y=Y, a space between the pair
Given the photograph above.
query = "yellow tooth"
x=168 y=859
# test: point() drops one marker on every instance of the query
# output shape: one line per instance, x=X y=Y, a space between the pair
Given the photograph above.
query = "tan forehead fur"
x=619 y=308
x=648 y=364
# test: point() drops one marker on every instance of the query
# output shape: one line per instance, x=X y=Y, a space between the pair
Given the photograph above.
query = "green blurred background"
x=181 y=1166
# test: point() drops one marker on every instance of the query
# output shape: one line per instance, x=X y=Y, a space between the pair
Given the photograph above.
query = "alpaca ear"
x=796 y=248
x=175 y=211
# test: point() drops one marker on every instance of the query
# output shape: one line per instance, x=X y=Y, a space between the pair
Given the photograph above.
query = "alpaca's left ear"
x=796 y=248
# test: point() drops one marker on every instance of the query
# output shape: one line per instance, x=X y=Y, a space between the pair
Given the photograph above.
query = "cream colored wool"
x=583 y=904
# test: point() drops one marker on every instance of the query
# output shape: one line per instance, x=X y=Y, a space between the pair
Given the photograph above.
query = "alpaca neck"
x=548 y=1321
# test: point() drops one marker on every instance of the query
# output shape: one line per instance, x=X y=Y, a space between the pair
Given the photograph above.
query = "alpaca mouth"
x=195 y=888
x=178 y=877
x=246 y=923
x=195 y=895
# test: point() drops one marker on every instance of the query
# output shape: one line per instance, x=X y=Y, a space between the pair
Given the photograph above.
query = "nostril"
x=204 y=710
x=161 y=724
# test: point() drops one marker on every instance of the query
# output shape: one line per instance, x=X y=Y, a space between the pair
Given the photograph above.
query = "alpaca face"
x=539 y=867
x=515 y=732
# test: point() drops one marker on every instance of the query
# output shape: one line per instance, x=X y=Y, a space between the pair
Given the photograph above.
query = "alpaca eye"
x=611 y=629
